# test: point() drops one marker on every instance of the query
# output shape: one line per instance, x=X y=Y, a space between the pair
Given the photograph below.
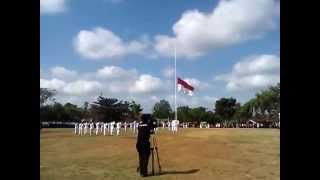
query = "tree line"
x=265 y=105
x=103 y=109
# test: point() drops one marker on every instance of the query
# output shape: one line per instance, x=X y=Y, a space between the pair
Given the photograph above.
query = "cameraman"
x=145 y=128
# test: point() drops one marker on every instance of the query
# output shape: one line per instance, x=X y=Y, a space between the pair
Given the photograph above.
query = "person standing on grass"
x=118 y=125
x=125 y=126
x=85 y=128
x=105 y=128
x=75 y=128
x=143 y=145
x=111 y=127
x=173 y=124
x=80 y=129
x=101 y=128
x=108 y=127
x=134 y=127
x=91 y=127
x=97 y=127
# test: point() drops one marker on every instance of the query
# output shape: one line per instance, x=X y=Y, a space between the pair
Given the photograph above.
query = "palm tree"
x=135 y=109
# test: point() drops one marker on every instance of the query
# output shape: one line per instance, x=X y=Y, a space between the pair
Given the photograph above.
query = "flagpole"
x=175 y=82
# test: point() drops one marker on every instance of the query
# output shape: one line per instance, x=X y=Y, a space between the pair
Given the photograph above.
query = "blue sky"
x=124 y=49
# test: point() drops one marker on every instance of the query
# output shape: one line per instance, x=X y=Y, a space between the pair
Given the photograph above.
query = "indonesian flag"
x=183 y=85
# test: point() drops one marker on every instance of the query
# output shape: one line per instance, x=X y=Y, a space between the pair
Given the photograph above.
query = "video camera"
x=150 y=121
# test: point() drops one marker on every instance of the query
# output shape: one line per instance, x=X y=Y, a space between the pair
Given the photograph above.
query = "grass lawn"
x=191 y=154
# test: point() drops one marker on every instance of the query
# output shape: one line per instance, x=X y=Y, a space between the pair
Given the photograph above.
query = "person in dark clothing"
x=143 y=144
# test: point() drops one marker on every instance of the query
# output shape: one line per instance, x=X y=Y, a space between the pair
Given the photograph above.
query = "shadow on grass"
x=191 y=171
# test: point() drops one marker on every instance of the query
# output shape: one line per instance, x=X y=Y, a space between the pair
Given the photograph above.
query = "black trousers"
x=144 y=154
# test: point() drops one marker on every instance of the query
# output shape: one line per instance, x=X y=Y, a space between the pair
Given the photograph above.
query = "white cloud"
x=231 y=22
x=126 y=84
x=52 y=84
x=115 y=72
x=81 y=87
x=168 y=72
x=104 y=44
x=147 y=84
x=112 y=81
x=257 y=64
x=63 y=73
x=254 y=72
x=52 y=6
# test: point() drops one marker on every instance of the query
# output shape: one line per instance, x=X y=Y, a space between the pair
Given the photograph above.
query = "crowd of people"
x=113 y=128
x=110 y=128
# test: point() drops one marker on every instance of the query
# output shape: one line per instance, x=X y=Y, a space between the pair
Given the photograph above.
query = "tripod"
x=155 y=154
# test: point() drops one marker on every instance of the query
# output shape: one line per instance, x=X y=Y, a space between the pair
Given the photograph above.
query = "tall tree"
x=73 y=112
x=184 y=113
x=46 y=95
x=162 y=109
x=198 y=114
x=225 y=108
x=135 y=109
x=110 y=109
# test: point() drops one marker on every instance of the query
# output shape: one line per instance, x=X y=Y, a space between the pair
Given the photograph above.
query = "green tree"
x=268 y=101
x=58 y=112
x=162 y=109
x=184 y=113
x=72 y=112
x=46 y=95
x=225 y=108
x=198 y=114
x=135 y=109
x=110 y=109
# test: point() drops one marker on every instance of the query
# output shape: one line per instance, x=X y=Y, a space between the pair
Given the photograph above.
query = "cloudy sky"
x=124 y=49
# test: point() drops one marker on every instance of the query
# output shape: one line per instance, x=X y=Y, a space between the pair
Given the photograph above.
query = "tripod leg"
x=156 y=148
x=158 y=160
x=152 y=165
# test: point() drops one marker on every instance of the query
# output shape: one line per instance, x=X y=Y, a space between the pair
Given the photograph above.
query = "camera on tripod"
x=151 y=122
x=152 y=125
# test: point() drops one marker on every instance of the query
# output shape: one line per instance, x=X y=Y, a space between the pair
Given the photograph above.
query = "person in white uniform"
x=125 y=126
x=173 y=124
x=80 y=129
x=105 y=127
x=118 y=125
x=91 y=127
x=101 y=128
x=111 y=128
x=97 y=127
x=75 y=128
x=134 y=127
x=85 y=128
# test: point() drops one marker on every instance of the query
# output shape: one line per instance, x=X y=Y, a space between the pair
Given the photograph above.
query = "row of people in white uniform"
x=105 y=128
x=172 y=125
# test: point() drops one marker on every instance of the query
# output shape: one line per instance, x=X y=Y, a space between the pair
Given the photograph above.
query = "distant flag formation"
x=186 y=87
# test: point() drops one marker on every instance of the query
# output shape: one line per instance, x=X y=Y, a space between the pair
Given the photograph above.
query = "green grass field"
x=230 y=154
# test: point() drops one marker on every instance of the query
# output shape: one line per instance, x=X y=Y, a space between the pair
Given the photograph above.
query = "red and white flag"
x=186 y=87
